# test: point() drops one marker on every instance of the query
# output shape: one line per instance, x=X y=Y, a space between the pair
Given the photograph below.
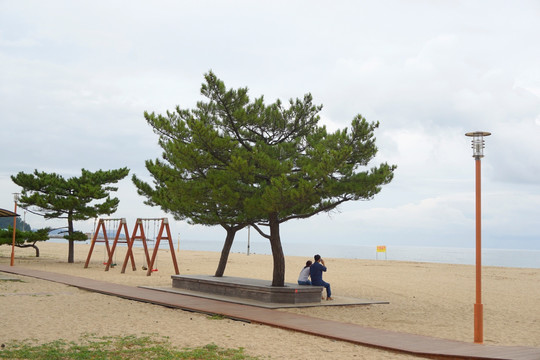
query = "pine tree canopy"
x=236 y=161
x=76 y=198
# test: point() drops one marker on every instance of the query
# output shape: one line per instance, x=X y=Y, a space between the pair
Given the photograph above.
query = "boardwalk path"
x=383 y=339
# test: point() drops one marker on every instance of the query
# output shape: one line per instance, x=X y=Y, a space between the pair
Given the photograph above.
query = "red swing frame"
x=150 y=261
x=110 y=252
x=122 y=225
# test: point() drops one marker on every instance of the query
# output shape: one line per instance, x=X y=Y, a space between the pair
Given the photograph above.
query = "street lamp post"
x=478 y=153
x=15 y=198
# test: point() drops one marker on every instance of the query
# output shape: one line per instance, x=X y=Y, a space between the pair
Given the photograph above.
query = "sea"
x=447 y=255
x=520 y=258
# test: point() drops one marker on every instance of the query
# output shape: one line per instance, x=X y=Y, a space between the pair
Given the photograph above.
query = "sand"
x=428 y=299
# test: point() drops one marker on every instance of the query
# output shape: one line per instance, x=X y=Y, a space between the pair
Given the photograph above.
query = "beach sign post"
x=248 y=242
x=478 y=153
x=381 y=249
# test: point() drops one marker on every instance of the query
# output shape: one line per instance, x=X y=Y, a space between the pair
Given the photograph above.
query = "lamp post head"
x=16 y=197
x=478 y=143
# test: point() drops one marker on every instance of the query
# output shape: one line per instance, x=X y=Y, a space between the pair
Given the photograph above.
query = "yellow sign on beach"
x=381 y=248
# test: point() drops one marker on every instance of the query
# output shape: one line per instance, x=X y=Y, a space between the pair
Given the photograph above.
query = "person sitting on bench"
x=315 y=271
x=303 y=278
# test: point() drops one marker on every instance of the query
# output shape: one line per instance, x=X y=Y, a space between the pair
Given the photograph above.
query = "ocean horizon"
x=518 y=258
x=521 y=258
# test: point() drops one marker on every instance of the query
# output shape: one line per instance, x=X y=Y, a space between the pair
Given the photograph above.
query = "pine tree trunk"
x=231 y=232
x=71 y=250
x=278 y=276
x=30 y=245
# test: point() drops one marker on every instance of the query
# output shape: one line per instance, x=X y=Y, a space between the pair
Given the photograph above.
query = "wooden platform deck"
x=249 y=289
x=394 y=341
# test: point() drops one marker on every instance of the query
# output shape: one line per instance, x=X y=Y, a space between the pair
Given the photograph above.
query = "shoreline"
x=430 y=299
x=491 y=257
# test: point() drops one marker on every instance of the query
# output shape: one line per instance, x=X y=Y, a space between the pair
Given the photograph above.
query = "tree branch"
x=316 y=211
x=260 y=231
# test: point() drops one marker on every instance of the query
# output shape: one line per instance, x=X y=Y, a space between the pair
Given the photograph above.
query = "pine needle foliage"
x=232 y=161
x=76 y=198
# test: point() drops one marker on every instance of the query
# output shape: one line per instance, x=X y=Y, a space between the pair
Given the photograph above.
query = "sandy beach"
x=428 y=299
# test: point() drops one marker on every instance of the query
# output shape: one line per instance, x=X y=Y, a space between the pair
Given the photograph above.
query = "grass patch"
x=117 y=348
x=216 y=317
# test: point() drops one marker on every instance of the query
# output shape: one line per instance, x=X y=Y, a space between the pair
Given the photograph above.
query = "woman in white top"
x=303 y=278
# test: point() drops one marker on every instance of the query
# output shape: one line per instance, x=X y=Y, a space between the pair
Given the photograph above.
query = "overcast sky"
x=76 y=77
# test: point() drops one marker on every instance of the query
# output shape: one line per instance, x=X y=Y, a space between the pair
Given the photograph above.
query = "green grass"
x=216 y=317
x=113 y=348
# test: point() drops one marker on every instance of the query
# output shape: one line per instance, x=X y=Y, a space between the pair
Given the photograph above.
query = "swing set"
x=137 y=234
x=106 y=226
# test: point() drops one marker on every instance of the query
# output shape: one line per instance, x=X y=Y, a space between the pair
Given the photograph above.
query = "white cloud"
x=429 y=214
x=75 y=78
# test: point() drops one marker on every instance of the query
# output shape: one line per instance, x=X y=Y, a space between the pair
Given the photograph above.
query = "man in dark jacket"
x=315 y=271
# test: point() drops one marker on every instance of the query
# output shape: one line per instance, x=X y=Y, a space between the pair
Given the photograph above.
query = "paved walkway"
x=383 y=339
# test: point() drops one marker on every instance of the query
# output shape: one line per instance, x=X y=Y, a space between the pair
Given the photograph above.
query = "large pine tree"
x=233 y=161
x=77 y=198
